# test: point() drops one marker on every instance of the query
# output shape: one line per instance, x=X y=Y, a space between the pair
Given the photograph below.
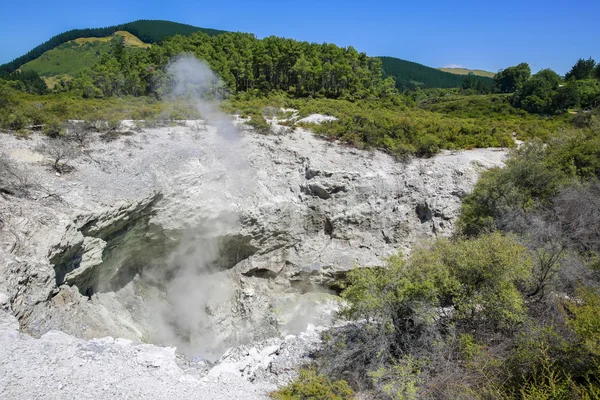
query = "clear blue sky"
x=474 y=34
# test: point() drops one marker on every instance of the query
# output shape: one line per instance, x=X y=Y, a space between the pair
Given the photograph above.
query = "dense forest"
x=411 y=75
x=149 y=31
x=244 y=64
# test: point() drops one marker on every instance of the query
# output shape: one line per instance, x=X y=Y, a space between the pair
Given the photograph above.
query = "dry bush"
x=577 y=209
x=80 y=133
x=60 y=151
x=13 y=180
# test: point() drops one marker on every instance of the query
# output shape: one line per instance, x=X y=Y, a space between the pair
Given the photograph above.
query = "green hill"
x=465 y=71
x=148 y=31
x=75 y=55
x=410 y=75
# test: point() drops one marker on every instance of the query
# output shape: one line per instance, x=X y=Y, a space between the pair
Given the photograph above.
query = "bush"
x=53 y=128
x=408 y=306
x=60 y=152
x=16 y=121
x=259 y=123
x=312 y=386
x=527 y=180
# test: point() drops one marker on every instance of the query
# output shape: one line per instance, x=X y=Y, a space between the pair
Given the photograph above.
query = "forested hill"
x=148 y=31
x=410 y=75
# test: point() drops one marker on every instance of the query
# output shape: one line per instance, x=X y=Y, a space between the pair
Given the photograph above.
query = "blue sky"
x=475 y=34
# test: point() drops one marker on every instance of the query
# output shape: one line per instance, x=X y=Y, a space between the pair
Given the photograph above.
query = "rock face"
x=179 y=237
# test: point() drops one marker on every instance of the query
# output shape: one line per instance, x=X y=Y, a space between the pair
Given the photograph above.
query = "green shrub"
x=399 y=381
x=259 y=123
x=311 y=386
x=53 y=128
x=527 y=179
x=15 y=120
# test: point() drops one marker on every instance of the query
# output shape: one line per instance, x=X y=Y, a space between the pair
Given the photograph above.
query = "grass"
x=465 y=71
x=75 y=55
x=129 y=40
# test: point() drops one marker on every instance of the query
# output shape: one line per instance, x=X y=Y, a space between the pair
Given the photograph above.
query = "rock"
x=8 y=322
x=192 y=241
x=317 y=119
x=60 y=366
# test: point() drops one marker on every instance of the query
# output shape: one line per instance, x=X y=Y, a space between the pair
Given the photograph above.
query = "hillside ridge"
x=411 y=75
x=71 y=57
x=467 y=71
x=148 y=31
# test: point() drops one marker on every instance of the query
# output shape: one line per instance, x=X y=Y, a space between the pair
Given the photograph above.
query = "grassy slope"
x=75 y=55
x=465 y=71
x=409 y=75
x=149 y=31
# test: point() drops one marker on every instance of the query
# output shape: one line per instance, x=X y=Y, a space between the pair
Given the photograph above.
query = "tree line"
x=545 y=92
x=244 y=64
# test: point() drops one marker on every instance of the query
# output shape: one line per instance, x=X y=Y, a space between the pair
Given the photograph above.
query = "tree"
x=566 y=97
x=511 y=79
x=537 y=92
x=583 y=69
x=117 y=47
x=469 y=82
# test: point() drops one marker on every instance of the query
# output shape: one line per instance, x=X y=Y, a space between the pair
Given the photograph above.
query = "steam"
x=193 y=284
x=190 y=295
x=195 y=81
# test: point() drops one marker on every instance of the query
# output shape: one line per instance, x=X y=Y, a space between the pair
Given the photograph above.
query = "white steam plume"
x=194 y=290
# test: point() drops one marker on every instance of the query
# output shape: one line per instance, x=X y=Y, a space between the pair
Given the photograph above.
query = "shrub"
x=399 y=381
x=53 y=128
x=527 y=179
x=407 y=307
x=259 y=123
x=60 y=152
x=15 y=120
x=310 y=385
x=478 y=278
x=13 y=180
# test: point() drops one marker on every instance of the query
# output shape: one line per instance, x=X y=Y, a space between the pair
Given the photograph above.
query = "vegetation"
x=411 y=75
x=28 y=82
x=71 y=57
x=312 y=386
x=546 y=92
x=507 y=309
x=148 y=31
x=465 y=71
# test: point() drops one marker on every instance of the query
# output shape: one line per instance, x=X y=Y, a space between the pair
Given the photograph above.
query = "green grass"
x=75 y=55
x=465 y=71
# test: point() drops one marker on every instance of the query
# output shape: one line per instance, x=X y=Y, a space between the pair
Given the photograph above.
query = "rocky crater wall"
x=175 y=237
